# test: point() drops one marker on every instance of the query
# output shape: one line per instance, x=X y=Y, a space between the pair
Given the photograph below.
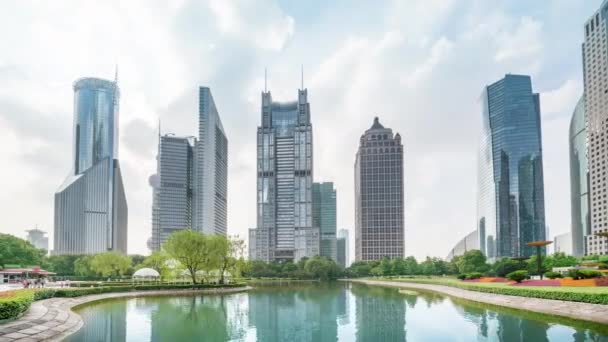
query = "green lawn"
x=596 y=295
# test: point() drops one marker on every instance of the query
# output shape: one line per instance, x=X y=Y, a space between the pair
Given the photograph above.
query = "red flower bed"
x=601 y=281
x=545 y=282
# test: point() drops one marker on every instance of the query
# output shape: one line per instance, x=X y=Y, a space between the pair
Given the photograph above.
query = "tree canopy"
x=110 y=264
x=16 y=251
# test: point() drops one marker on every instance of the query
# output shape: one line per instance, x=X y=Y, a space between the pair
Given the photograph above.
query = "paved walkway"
x=52 y=319
x=582 y=311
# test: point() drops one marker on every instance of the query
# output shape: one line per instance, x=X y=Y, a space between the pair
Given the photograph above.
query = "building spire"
x=116 y=74
x=302 y=76
x=265 y=80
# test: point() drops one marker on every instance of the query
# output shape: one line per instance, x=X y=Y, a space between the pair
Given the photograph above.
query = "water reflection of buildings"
x=303 y=314
x=102 y=325
x=503 y=327
x=380 y=314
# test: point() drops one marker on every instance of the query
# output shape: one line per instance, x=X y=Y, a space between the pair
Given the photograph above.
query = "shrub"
x=553 y=275
x=574 y=274
x=462 y=276
x=518 y=276
x=473 y=275
x=589 y=274
x=15 y=304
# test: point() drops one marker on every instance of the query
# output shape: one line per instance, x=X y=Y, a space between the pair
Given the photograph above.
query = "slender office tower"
x=324 y=218
x=596 y=110
x=342 y=247
x=379 y=195
x=210 y=194
x=510 y=199
x=90 y=205
x=172 y=188
x=284 y=182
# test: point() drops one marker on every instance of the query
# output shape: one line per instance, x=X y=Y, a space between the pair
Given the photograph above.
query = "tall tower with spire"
x=284 y=182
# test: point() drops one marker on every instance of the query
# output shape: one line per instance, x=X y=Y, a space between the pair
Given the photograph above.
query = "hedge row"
x=544 y=293
x=15 y=303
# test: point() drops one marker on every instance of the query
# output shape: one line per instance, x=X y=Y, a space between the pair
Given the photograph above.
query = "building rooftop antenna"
x=265 y=81
x=302 y=76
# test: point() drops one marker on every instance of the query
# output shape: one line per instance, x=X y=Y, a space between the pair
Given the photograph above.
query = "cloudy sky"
x=418 y=65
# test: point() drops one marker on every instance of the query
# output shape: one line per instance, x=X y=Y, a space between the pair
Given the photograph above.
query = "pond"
x=321 y=312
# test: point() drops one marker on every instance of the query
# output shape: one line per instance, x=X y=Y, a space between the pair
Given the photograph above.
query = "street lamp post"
x=538 y=245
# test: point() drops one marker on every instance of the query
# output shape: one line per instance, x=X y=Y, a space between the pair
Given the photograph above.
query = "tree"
x=190 y=248
x=14 y=250
x=398 y=266
x=411 y=266
x=472 y=261
x=62 y=264
x=110 y=264
x=322 y=268
x=504 y=266
x=386 y=267
x=230 y=249
x=82 y=266
x=157 y=261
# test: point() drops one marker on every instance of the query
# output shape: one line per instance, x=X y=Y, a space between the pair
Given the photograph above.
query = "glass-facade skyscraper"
x=379 y=195
x=510 y=203
x=284 y=182
x=324 y=217
x=172 y=188
x=210 y=196
x=596 y=111
x=579 y=180
x=90 y=205
x=343 y=248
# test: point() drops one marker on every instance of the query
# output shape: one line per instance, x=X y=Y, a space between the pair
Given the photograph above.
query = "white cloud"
x=562 y=100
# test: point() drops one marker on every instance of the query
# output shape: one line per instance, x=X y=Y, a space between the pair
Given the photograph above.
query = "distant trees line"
x=202 y=257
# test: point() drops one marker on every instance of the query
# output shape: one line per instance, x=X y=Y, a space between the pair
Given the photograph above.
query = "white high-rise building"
x=595 y=59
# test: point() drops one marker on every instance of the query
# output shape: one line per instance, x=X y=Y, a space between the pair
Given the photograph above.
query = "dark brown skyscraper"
x=379 y=195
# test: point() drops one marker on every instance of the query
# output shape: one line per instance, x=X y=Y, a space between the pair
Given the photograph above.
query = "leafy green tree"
x=190 y=248
x=560 y=259
x=398 y=266
x=411 y=266
x=230 y=250
x=16 y=251
x=63 y=265
x=322 y=268
x=136 y=260
x=82 y=266
x=360 y=269
x=110 y=264
x=158 y=261
x=504 y=266
x=473 y=261
x=428 y=267
x=386 y=268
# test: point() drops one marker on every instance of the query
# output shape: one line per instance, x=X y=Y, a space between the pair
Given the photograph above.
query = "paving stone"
x=15 y=335
x=5 y=339
x=30 y=331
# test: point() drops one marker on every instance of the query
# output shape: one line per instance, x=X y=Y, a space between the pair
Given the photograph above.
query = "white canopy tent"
x=146 y=274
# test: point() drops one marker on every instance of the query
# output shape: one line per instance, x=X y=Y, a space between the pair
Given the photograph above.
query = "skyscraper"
x=324 y=217
x=510 y=203
x=595 y=81
x=579 y=180
x=343 y=248
x=38 y=238
x=379 y=195
x=172 y=188
x=284 y=182
x=210 y=196
x=90 y=205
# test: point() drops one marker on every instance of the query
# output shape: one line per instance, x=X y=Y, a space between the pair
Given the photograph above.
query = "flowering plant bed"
x=488 y=280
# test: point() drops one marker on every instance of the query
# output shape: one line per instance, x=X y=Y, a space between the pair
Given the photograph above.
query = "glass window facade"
x=284 y=182
x=90 y=206
x=324 y=217
x=511 y=206
x=379 y=195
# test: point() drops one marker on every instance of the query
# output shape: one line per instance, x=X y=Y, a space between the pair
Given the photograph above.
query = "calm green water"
x=324 y=312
